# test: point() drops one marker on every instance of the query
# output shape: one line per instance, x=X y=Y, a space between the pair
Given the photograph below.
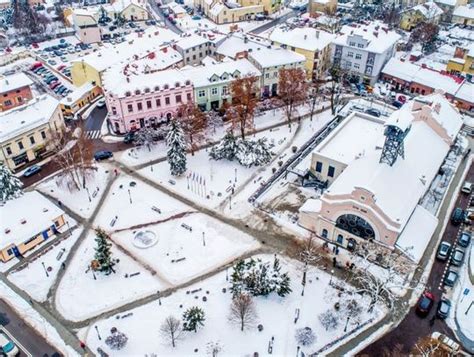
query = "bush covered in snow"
x=117 y=340
x=329 y=320
x=305 y=336
x=259 y=278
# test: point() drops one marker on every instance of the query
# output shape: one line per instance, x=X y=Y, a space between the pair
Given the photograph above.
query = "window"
x=177 y=84
x=139 y=106
x=348 y=64
x=213 y=91
x=189 y=97
x=225 y=90
x=9 y=150
x=114 y=110
x=194 y=57
x=7 y=102
x=331 y=171
x=137 y=92
x=147 y=90
x=324 y=233
x=267 y=75
x=319 y=166
x=340 y=239
x=178 y=98
x=352 y=43
x=148 y=104
x=19 y=99
x=356 y=66
x=358 y=56
x=130 y=108
x=167 y=100
x=201 y=93
x=355 y=225
x=360 y=45
x=158 y=103
x=32 y=140
x=350 y=54
x=43 y=135
x=20 y=145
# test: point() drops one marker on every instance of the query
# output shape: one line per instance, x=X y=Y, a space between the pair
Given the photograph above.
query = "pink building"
x=141 y=94
x=374 y=192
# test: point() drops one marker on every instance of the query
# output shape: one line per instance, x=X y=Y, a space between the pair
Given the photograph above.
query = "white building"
x=374 y=191
x=364 y=50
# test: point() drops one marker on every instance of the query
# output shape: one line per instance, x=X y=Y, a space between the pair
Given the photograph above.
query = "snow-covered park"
x=275 y=314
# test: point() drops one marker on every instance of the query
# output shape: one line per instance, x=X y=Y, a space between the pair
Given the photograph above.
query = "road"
x=413 y=327
x=26 y=336
x=275 y=22
x=162 y=17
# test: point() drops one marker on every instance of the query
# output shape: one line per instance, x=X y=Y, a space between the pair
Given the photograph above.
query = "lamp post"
x=203 y=239
x=347 y=322
x=45 y=270
x=98 y=334
x=303 y=281
x=130 y=196
x=235 y=170
x=330 y=280
x=88 y=194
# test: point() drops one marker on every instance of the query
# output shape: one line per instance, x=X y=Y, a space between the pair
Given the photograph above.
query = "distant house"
x=324 y=6
x=14 y=91
x=224 y=12
x=26 y=222
x=463 y=61
x=79 y=98
x=448 y=7
x=427 y=12
x=464 y=15
x=86 y=26
x=193 y=48
x=25 y=131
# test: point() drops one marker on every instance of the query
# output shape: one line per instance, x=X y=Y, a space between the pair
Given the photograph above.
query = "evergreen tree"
x=103 y=254
x=176 y=149
x=117 y=340
x=10 y=185
x=226 y=149
x=193 y=318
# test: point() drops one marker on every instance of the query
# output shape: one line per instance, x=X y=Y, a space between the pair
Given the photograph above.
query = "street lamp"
x=235 y=174
x=88 y=194
x=203 y=239
x=303 y=281
x=347 y=322
x=98 y=334
x=130 y=196
x=330 y=280
x=45 y=270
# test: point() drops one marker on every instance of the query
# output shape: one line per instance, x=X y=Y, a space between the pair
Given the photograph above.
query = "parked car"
x=425 y=304
x=397 y=104
x=101 y=103
x=450 y=278
x=374 y=112
x=443 y=251
x=458 y=216
x=457 y=258
x=7 y=347
x=128 y=139
x=444 y=306
x=132 y=24
x=446 y=343
x=32 y=170
x=466 y=188
x=103 y=155
x=464 y=239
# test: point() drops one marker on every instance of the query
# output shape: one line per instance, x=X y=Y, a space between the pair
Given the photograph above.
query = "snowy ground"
x=78 y=201
x=186 y=23
x=80 y=296
x=33 y=279
x=209 y=245
x=276 y=314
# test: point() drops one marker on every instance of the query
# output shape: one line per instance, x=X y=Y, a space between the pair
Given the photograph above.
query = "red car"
x=36 y=65
x=61 y=67
x=425 y=304
x=54 y=85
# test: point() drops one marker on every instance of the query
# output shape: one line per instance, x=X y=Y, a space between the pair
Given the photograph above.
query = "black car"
x=397 y=104
x=444 y=306
x=458 y=216
x=464 y=239
x=374 y=112
x=103 y=155
x=128 y=139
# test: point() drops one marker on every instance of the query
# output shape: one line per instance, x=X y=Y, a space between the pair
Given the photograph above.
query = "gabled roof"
x=13 y=82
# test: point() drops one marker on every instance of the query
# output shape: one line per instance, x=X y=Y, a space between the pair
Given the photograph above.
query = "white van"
x=446 y=343
x=467 y=187
x=7 y=347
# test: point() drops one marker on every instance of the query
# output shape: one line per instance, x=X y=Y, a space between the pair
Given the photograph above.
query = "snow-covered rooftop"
x=18 y=120
x=136 y=45
x=273 y=57
x=379 y=38
x=220 y=72
x=77 y=93
x=306 y=38
x=356 y=136
x=34 y=210
x=14 y=81
x=417 y=233
x=190 y=40
x=398 y=188
x=237 y=43
x=466 y=11
x=429 y=10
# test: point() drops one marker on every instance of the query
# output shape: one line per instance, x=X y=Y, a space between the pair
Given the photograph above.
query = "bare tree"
x=292 y=89
x=244 y=101
x=429 y=347
x=329 y=320
x=313 y=96
x=338 y=75
x=193 y=121
x=146 y=136
x=171 y=329
x=352 y=309
x=213 y=348
x=425 y=33
x=242 y=311
x=310 y=254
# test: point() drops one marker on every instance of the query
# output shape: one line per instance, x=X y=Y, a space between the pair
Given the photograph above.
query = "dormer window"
x=157 y=88
x=166 y=86
x=177 y=85
x=128 y=94
x=147 y=90
x=137 y=91
x=188 y=83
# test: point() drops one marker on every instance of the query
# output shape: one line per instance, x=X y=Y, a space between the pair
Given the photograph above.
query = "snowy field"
x=78 y=201
x=134 y=205
x=33 y=279
x=274 y=313
x=180 y=254
x=80 y=296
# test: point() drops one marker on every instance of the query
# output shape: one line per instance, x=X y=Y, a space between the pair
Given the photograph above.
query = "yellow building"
x=223 y=12
x=427 y=12
x=462 y=62
x=26 y=222
x=322 y=6
x=312 y=43
x=269 y=6
x=464 y=15
x=79 y=98
x=25 y=131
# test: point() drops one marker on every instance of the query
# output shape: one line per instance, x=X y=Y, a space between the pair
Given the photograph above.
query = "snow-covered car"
x=444 y=306
x=101 y=103
x=446 y=343
x=457 y=258
x=450 y=278
x=7 y=347
x=464 y=239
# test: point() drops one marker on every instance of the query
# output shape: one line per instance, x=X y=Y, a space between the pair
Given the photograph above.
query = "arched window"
x=146 y=90
x=157 y=88
x=355 y=225
x=177 y=85
x=340 y=239
x=137 y=91
x=166 y=86
x=324 y=233
x=188 y=83
x=128 y=94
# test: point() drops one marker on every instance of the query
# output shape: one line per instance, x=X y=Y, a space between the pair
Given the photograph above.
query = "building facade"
x=25 y=132
x=427 y=12
x=363 y=51
x=463 y=62
x=14 y=91
x=193 y=48
x=79 y=98
x=464 y=15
